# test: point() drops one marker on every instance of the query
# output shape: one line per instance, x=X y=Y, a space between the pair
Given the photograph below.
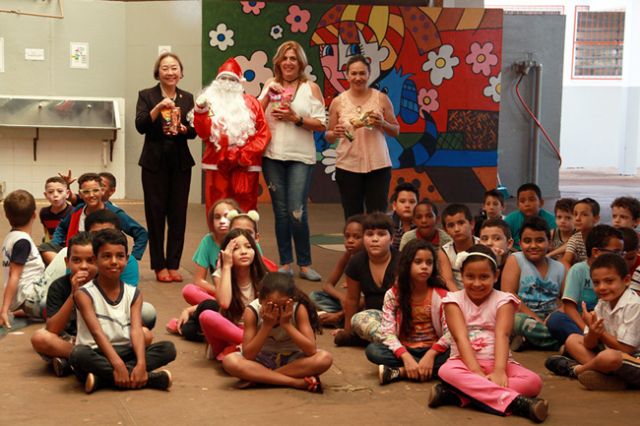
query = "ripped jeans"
x=288 y=183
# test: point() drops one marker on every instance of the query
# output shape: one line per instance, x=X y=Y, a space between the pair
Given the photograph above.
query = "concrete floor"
x=202 y=393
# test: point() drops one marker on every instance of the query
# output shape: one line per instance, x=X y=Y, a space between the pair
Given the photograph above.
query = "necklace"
x=290 y=81
x=164 y=94
x=359 y=107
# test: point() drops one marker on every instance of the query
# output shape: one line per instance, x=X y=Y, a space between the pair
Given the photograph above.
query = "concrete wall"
x=533 y=37
x=123 y=44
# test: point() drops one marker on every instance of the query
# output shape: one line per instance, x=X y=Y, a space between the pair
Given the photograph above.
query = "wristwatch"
x=300 y=122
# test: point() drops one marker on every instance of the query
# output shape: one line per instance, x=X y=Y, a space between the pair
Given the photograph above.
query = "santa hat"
x=232 y=68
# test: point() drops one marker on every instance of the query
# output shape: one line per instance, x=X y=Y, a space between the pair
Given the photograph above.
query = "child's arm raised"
x=510 y=283
x=10 y=289
x=303 y=335
x=446 y=273
x=57 y=319
x=138 y=377
x=85 y=308
x=253 y=337
x=224 y=291
x=504 y=326
x=458 y=329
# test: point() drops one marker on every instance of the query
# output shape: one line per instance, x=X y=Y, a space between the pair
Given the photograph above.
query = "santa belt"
x=246 y=169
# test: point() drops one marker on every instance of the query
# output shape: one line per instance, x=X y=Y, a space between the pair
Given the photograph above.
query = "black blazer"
x=152 y=157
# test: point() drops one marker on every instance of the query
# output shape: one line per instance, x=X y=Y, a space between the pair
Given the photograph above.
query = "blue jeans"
x=288 y=183
x=325 y=302
x=561 y=326
x=379 y=353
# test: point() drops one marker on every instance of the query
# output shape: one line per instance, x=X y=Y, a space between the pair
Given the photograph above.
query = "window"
x=598 y=43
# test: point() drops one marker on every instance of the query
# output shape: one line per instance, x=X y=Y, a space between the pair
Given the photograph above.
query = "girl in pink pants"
x=241 y=272
x=481 y=371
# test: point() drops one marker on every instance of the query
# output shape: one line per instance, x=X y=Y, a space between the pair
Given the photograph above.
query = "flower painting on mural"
x=221 y=37
x=439 y=68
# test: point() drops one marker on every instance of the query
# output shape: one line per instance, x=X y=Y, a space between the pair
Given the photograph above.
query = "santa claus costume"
x=235 y=132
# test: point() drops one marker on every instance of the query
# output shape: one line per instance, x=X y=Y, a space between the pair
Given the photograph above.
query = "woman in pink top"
x=359 y=119
x=481 y=371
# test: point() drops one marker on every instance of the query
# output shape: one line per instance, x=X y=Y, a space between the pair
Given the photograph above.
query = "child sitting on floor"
x=425 y=218
x=564 y=227
x=607 y=357
x=56 y=191
x=492 y=208
x=404 y=199
x=481 y=371
x=458 y=222
x=625 y=212
x=110 y=348
x=530 y=204
x=279 y=345
x=496 y=234
x=536 y=280
x=578 y=288
x=330 y=300
x=586 y=215
x=23 y=271
x=412 y=319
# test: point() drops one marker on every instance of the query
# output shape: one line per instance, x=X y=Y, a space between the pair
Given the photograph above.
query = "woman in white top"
x=294 y=109
x=359 y=118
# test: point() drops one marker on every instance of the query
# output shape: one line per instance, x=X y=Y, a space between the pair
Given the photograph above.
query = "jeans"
x=358 y=190
x=325 y=302
x=85 y=360
x=561 y=326
x=379 y=353
x=288 y=183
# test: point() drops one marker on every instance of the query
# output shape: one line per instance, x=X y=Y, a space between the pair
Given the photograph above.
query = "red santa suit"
x=232 y=167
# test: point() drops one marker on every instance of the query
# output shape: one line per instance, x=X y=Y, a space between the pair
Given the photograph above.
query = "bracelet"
x=300 y=122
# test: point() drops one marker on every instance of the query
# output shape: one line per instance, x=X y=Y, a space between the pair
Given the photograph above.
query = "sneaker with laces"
x=61 y=367
x=518 y=343
x=594 y=380
x=535 y=409
x=160 y=379
x=442 y=395
x=388 y=374
x=561 y=366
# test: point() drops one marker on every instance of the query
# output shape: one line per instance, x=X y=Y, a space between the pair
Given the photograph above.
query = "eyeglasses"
x=90 y=191
x=618 y=252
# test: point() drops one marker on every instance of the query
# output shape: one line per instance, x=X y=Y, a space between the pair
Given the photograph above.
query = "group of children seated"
x=446 y=303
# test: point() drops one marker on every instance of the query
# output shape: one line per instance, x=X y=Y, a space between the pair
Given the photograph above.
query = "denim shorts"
x=275 y=360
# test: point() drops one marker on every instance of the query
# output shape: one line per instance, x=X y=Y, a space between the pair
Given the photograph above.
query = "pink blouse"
x=368 y=151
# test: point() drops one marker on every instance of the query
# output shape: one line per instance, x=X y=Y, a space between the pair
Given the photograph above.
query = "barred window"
x=598 y=44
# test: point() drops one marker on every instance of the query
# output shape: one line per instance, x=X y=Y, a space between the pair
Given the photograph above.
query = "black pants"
x=85 y=360
x=191 y=329
x=166 y=195
x=360 y=190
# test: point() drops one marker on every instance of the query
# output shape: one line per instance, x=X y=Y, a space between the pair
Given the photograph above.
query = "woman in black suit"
x=166 y=165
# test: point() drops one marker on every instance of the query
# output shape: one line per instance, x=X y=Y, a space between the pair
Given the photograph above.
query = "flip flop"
x=163 y=278
x=314 y=385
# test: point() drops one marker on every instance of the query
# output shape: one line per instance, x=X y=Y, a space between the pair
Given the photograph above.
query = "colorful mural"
x=439 y=67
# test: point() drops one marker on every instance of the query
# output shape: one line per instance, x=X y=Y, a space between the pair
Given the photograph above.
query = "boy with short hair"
x=607 y=357
x=56 y=191
x=625 y=212
x=457 y=221
x=96 y=221
x=404 y=199
x=563 y=211
x=330 y=300
x=530 y=204
x=425 y=219
x=578 y=288
x=110 y=348
x=492 y=208
x=91 y=193
x=23 y=270
x=496 y=235
x=586 y=215
x=535 y=279
x=108 y=185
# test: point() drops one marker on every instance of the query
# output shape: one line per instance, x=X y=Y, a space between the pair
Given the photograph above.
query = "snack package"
x=170 y=120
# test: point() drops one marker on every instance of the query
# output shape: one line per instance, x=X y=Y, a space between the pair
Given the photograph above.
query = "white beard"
x=230 y=114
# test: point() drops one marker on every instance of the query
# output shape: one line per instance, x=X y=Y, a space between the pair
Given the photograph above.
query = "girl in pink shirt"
x=481 y=371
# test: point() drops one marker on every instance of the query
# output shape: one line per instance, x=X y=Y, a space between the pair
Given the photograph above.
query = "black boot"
x=441 y=394
x=532 y=408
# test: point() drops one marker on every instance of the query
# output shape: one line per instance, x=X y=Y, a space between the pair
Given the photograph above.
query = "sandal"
x=245 y=384
x=314 y=385
x=163 y=276
x=175 y=275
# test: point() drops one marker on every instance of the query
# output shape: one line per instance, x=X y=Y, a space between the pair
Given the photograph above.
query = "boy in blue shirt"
x=530 y=204
x=578 y=287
